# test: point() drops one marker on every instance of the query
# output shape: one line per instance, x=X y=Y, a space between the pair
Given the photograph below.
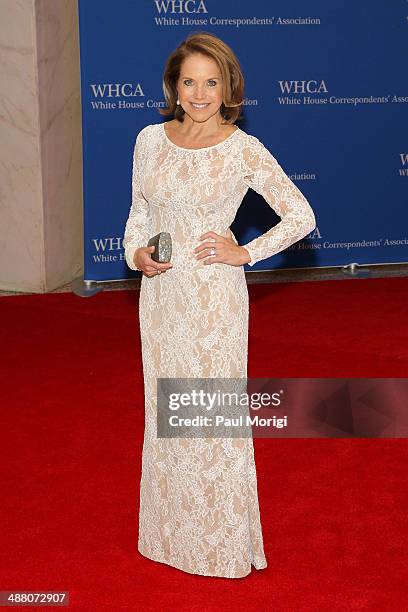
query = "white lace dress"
x=199 y=507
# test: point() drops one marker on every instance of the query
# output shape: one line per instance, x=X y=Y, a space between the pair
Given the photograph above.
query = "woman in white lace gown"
x=199 y=507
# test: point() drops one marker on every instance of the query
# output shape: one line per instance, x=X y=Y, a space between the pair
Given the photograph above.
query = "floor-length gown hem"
x=257 y=565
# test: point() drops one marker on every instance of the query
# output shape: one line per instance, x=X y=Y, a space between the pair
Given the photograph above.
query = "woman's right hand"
x=146 y=264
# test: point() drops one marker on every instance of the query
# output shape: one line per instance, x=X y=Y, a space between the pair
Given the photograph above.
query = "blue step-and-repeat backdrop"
x=325 y=90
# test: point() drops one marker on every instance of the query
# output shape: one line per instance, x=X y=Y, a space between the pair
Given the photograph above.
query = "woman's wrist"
x=246 y=255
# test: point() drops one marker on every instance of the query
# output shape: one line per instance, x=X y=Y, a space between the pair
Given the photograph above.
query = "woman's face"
x=200 y=83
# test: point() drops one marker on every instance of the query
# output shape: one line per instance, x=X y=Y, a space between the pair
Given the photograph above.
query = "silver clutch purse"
x=162 y=242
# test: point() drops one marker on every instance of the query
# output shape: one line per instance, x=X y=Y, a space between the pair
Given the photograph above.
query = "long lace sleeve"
x=137 y=230
x=262 y=172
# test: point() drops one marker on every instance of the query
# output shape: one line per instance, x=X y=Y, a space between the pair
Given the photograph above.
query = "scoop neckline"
x=200 y=148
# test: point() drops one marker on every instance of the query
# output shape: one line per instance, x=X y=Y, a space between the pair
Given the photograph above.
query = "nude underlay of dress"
x=199 y=508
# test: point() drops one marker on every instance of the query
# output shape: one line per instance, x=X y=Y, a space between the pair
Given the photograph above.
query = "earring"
x=178 y=101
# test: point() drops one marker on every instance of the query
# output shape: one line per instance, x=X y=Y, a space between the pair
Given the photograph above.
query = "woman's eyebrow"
x=212 y=78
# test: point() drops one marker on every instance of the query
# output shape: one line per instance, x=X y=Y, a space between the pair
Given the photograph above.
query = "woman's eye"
x=212 y=83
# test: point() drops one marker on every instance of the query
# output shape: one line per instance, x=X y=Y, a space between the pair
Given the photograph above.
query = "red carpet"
x=333 y=511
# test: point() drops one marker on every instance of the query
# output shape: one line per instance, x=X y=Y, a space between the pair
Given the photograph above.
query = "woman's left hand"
x=226 y=250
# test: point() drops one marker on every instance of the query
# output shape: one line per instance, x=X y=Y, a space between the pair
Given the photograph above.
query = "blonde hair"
x=232 y=78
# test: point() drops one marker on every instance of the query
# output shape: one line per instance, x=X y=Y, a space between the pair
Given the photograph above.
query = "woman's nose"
x=200 y=92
